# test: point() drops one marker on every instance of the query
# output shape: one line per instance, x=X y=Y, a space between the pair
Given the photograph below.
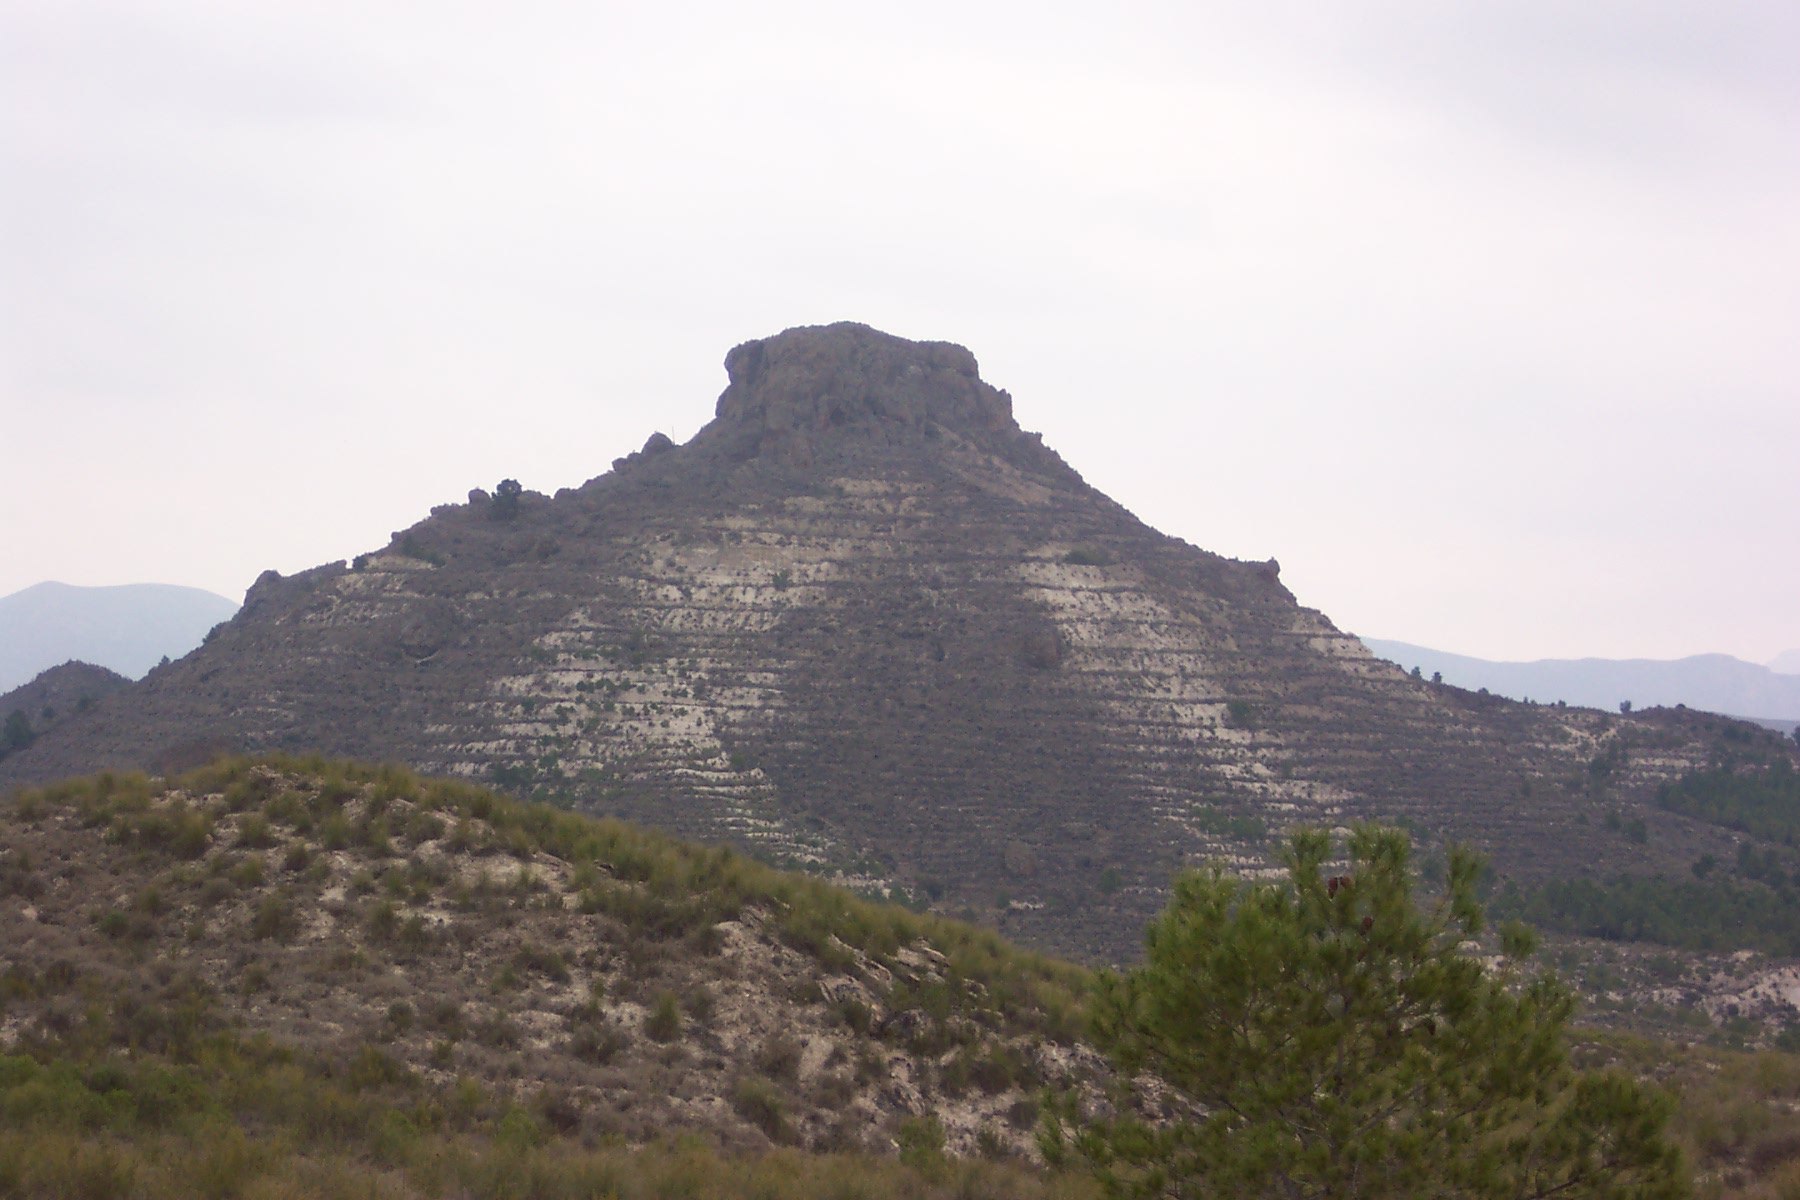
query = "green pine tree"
x=16 y=734
x=1326 y=1037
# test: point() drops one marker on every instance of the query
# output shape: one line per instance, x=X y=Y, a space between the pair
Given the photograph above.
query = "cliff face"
x=863 y=622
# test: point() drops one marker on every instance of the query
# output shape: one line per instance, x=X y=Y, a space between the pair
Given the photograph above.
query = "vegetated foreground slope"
x=864 y=624
x=297 y=978
x=424 y=937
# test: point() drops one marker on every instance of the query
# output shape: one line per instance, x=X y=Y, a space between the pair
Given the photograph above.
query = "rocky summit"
x=864 y=624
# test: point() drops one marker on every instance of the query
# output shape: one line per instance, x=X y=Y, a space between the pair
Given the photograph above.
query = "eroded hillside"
x=608 y=981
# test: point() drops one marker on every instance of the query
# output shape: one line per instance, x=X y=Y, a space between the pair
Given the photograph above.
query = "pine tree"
x=16 y=734
x=1326 y=1037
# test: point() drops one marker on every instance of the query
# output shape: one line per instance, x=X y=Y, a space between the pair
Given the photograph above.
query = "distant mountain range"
x=128 y=629
x=1710 y=682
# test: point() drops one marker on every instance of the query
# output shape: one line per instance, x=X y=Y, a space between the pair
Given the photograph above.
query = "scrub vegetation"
x=299 y=977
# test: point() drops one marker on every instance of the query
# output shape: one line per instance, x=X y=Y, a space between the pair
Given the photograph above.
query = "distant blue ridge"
x=128 y=628
x=1710 y=682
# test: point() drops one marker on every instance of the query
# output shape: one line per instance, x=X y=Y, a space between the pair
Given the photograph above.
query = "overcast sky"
x=1480 y=317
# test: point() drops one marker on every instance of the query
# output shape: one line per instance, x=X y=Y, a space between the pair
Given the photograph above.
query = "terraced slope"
x=864 y=623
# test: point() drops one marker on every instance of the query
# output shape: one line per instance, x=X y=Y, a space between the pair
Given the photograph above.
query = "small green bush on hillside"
x=16 y=733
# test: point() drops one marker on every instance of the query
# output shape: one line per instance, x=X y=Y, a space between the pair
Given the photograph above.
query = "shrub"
x=384 y=920
x=663 y=1024
x=854 y=1014
x=414 y=934
x=921 y=1142
x=597 y=1042
x=334 y=832
x=760 y=1104
x=445 y=1017
x=699 y=1003
x=374 y=1068
x=778 y=1058
x=275 y=918
x=254 y=832
x=548 y=963
x=497 y=1030
x=990 y=1145
x=372 y=834
x=425 y=827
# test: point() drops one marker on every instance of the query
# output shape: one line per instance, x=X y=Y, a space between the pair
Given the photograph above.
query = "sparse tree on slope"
x=16 y=734
x=1333 y=1040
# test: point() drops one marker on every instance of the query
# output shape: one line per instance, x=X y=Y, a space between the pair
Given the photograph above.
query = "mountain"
x=864 y=624
x=128 y=628
x=1714 y=682
x=1786 y=663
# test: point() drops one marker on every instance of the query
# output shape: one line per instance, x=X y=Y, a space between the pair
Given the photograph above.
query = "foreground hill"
x=292 y=978
x=128 y=628
x=865 y=624
x=609 y=981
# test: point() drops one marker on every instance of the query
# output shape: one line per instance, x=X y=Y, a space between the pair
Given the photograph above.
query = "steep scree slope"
x=864 y=623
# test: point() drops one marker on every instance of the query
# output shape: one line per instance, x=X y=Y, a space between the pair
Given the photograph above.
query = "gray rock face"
x=809 y=386
x=865 y=624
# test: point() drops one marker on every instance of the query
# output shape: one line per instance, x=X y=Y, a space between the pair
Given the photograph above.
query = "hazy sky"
x=1480 y=317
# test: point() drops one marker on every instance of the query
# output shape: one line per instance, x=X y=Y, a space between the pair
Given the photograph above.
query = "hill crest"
x=612 y=980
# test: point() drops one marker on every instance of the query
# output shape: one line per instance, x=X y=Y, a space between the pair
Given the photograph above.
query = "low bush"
x=663 y=1023
x=274 y=918
x=598 y=1042
x=254 y=832
x=542 y=961
x=778 y=1058
x=757 y=1101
